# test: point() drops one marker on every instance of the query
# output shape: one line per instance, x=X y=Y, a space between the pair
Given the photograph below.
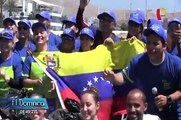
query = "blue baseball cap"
x=25 y=21
x=6 y=20
x=158 y=29
x=137 y=16
x=68 y=32
x=152 y=21
x=7 y=34
x=38 y=25
x=88 y=32
x=71 y=20
x=178 y=20
x=109 y=13
x=44 y=14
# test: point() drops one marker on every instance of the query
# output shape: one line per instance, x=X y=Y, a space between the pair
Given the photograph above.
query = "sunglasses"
x=24 y=28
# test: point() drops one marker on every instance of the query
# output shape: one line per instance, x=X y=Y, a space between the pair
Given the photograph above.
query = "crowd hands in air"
x=156 y=73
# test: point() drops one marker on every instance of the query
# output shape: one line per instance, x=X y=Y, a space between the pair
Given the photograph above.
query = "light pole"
x=146 y=9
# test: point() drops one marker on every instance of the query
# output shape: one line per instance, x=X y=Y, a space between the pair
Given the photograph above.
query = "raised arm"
x=79 y=17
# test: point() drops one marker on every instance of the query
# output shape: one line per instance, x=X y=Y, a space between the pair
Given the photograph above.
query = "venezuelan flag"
x=77 y=72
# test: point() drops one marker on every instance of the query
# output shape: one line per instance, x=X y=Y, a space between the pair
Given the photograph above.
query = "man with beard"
x=174 y=36
x=154 y=68
x=24 y=44
x=136 y=106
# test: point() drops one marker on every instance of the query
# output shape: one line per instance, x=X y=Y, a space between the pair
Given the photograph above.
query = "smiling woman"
x=90 y=104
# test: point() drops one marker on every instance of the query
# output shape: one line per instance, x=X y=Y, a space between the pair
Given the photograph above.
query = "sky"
x=170 y=5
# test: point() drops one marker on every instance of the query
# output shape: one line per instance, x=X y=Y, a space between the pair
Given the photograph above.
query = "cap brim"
x=87 y=35
x=38 y=25
x=68 y=21
x=104 y=14
x=135 y=21
x=8 y=19
x=7 y=38
x=24 y=23
x=67 y=35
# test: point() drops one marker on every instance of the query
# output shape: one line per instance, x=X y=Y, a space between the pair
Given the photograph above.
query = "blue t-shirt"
x=54 y=40
x=13 y=69
x=22 y=51
x=166 y=77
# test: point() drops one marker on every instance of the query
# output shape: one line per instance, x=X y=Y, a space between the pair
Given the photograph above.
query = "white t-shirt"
x=149 y=117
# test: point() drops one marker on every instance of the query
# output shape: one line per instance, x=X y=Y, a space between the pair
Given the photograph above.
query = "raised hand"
x=83 y=3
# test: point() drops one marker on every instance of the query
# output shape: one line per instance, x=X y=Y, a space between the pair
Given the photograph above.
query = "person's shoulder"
x=140 y=56
x=15 y=56
x=173 y=58
x=150 y=117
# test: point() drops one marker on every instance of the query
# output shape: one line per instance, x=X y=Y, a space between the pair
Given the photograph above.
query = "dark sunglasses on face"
x=24 y=28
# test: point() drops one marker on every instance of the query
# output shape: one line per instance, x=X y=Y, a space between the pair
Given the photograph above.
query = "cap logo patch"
x=155 y=28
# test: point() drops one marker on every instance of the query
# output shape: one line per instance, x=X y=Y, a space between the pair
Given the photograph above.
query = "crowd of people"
x=158 y=67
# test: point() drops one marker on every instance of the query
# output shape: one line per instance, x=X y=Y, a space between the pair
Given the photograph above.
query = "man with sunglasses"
x=107 y=22
x=174 y=36
x=45 y=18
x=68 y=41
x=10 y=23
x=24 y=44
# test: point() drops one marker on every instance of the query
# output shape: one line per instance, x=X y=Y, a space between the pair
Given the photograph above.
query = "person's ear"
x=165 y=46
x=98 y=105
x=146 y=106
x=92 y=42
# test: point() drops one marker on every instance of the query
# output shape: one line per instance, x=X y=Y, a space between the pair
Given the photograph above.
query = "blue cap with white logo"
x=137 y=16
x=44 y=14
x=7 y=34
x=25 y=21
x=153 y=21
x=109 y=13
x=158 y=29
x=70 y=20
x=88 y=32
x=69 y=32
x=6 y=20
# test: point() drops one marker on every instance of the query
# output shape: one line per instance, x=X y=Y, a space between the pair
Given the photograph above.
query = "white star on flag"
x=89 y=83
x=84 y=88
x=95 y=79
x=102 y=78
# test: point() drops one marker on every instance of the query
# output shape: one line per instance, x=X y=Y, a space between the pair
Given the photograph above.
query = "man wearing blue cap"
x=24 y=44
x=45 y=18
x=86 y=39
x=10 y=23
x=68 y=41
x=174 y=36
x=107 y=22
x=10 y=63
x=150 y=22
x=136 y=24
x=154 y=68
